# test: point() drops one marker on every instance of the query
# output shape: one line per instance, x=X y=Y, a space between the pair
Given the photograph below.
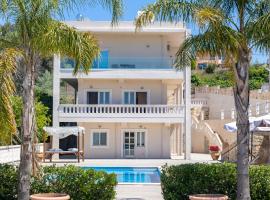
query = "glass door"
x=129 y=143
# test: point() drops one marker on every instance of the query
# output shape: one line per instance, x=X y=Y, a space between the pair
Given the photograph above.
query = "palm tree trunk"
x=241 y=96
x=27 y=131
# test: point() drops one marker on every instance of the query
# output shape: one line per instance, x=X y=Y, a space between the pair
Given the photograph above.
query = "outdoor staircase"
x=211 y=136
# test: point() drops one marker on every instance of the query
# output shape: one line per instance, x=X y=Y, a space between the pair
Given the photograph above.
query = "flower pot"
x=215 y=155
x=50 y=196
x=208 y=197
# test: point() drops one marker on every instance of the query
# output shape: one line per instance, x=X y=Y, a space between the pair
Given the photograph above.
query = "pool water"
x=132 y=174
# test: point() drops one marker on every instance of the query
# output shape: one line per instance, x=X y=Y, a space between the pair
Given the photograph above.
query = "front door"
x=129 y=143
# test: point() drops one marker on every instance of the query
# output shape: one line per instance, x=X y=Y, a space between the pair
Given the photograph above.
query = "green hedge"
x=178 y=182
x=8 y=182
x=78 y=183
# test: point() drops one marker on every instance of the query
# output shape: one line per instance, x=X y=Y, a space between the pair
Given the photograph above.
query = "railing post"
x=249 y=112
x=266 y=107
x=257 y=108
x=233 y=114
x=222 y=114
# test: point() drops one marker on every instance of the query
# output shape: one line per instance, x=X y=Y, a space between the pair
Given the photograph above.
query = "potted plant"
x=50 y=196
x=214 y=151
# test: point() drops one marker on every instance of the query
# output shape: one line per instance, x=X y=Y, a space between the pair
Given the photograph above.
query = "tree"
x=226 y=27
x=39 y=35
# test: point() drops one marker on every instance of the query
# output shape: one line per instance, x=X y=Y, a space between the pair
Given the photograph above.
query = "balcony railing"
x=125 y=63
x=111 y=111
x=198 y=102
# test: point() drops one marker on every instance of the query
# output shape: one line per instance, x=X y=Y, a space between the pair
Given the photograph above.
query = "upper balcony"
x=125 y=68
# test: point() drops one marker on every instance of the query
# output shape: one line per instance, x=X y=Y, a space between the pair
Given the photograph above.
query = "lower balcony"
x=121 y=113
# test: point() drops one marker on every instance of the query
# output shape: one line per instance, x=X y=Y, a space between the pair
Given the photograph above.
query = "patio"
x=202 y=158
x=137 y=191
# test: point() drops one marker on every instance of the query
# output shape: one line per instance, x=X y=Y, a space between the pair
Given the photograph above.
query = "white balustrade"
x=198 y=102
x=120 y=110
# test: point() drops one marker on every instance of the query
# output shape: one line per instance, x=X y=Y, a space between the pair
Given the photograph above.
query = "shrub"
x=195 y=80
x=178 y=182
x=80 y=184
x=210 y=69
x=9 y=182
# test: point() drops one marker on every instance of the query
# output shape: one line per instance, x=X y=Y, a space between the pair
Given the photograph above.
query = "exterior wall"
x=158 y=139
x=137 y=45
x=218 y=102
x=158 y=92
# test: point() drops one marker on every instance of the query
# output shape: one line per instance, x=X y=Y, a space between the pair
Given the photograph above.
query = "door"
x=141 y=98
x=129 y=143
x=92 y=97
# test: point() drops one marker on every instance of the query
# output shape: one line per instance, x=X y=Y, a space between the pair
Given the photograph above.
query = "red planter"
x=208 y=197
x=50 y=196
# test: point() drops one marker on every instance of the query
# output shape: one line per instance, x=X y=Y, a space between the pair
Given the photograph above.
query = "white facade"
x=132 y=102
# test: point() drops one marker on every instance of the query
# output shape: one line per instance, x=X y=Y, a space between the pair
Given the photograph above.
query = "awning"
x=63 y=132
x=259 y=124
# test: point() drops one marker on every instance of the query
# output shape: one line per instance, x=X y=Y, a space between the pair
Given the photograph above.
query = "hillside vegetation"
x=258 y=75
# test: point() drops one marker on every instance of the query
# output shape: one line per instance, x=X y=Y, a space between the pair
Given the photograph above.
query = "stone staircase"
x=203 y=136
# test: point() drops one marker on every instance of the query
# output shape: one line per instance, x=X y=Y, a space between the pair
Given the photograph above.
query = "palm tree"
x=230 y=28
x=39 y=35
x=7 y=118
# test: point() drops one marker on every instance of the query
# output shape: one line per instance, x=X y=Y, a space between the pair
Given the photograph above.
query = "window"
x=129 y=97
x=98 y=97
x=140 y=139
x=132 y=97
x=99 y=138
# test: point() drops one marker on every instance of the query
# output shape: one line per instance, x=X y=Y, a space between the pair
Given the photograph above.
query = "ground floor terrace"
x=126 y=140
x=138 y=191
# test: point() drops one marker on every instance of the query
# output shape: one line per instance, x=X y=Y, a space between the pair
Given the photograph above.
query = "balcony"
x=155 y=68
x=107 y=62
x=121 y=113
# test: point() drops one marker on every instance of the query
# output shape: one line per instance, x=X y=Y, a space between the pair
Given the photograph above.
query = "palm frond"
x=7 y=89
x=168 y=10
x=216 y=40
x=57 y=37
x=258 y=32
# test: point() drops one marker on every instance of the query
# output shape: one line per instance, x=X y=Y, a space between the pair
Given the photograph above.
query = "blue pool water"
x=132 y=174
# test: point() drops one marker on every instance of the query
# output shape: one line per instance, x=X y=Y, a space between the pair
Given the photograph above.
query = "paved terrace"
x=137 y=191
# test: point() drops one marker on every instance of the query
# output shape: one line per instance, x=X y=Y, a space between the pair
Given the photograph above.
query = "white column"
x=56 y=89
x=187 y=75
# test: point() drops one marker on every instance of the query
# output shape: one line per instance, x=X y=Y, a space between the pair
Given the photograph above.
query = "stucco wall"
x=135 y=45
x=158 y=91
x=157 y=140
x=218 y=102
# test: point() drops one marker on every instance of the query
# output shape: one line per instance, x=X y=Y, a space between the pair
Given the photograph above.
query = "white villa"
x=132 y=103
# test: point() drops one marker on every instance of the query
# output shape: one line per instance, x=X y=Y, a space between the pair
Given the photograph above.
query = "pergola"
x=258 y=126
x=63 y=132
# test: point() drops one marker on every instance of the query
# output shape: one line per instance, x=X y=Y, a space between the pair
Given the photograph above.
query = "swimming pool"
x=132 y=174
